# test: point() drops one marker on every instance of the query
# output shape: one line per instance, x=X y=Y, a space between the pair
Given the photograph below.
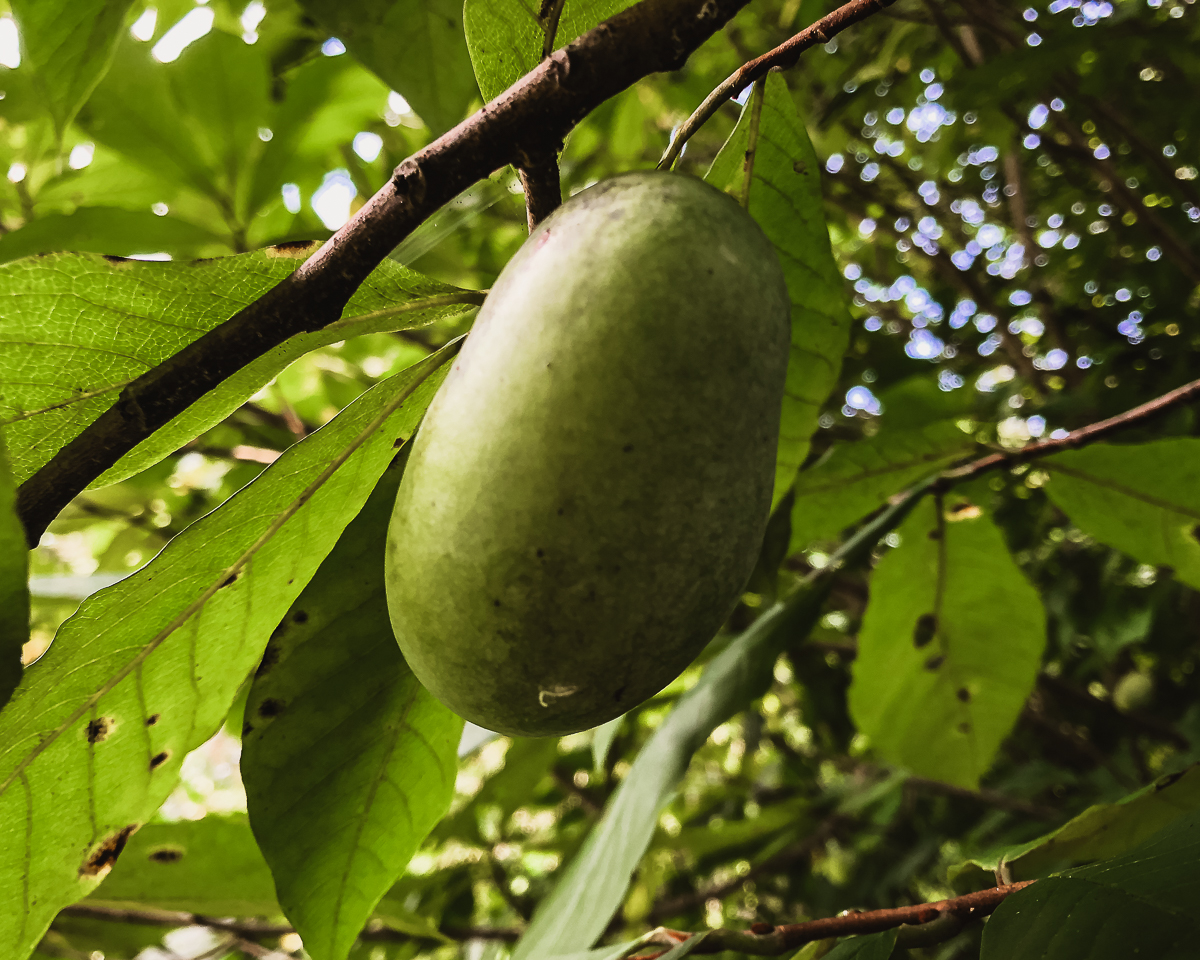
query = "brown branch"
x=1077 y=438
x=785 y=56
x=542 y=185
x=763 y=940
x=250 y=928
x=534 y=113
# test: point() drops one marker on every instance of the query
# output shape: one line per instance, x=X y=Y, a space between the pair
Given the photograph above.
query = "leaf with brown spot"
x=941 y=708
x=167 y=642
x=339 y=818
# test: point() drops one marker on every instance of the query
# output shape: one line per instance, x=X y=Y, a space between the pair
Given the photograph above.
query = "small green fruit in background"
x=587 y=494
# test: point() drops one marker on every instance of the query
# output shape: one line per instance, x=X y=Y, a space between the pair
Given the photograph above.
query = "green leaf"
x=1145 y=905
x=1105 y=830
x=593 y=884
x=859 y=477
x=14 y=585
x=415 y=46
x=507 y=37
x=949 y=646
x=68 y=45
x=348 y=761
x=602 y=740
x=109 y=230
x=1144 y=499
x=87 y=327
x=873 y=946
x=786 y=200
x=146 y=670
x=211 y=866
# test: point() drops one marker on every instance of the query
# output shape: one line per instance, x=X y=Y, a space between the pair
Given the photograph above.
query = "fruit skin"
x=587 y=494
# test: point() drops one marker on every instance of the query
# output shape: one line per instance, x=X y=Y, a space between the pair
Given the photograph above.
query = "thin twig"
x=763 y=940
x=542 y=185
x=252 y=928
x=785 y=56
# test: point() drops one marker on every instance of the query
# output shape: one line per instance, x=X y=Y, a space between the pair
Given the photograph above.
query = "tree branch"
x=763 y=940
x=542 y=185
x=785 y=56
x=250 y=928
x=535 y=112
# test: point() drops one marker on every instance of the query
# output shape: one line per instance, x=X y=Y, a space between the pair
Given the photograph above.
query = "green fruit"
x=587 y=495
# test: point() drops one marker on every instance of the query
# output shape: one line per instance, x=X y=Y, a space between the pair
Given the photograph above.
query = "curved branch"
x=785 y=56
x=534 y=113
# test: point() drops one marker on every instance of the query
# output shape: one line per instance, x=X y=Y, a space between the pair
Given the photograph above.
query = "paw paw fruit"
x=587 y=494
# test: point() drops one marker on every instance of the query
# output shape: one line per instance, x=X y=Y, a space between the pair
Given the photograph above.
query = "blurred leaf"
x=1105 y=830
x=195 y=119
x=325 y=103
x=873 y=946
x=146 y=670
x=108 y=230
x=348 y=761
x=593 y=884
x=786 y=200
x=859 y=477
x=506 y=37
x=211 y=866
x=14 y=585
x=949 y=646
x=1145 y=904
x=602 y=740
x=88 y=326
x=1144 y=499
x=415 y=46
x=68 y=45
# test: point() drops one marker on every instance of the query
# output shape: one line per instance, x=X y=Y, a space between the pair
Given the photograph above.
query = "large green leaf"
x=1143 y=499
x=1102 y=831
x=68 y=45
x=348 y=761
x=88 y=326
x=416 y=46
x=14 y=587
x=949 y=646
x=859 y=477
x=1145 y=904
x=507 y=37
x=786 y=200
x=210 y=866
x=92 y=741
x=593 y=885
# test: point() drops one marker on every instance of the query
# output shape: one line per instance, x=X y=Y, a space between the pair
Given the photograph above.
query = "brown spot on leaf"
x=105 y=855
x=934 y=662
x=152 y=719
x=1163 y=782
x=294 y=249
x=159 y=759
x=924 y=630
x=963 y=510
x=169 y=854
x=270 y=657
x=230 y=579
x=628 y=448
x=541 y=553
x=270 y=707
x=116 y=261
x=800 y=167
x=300 y=616
x=99 y=729
x=963 y=694
x=618 y=694
x=964 y=727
